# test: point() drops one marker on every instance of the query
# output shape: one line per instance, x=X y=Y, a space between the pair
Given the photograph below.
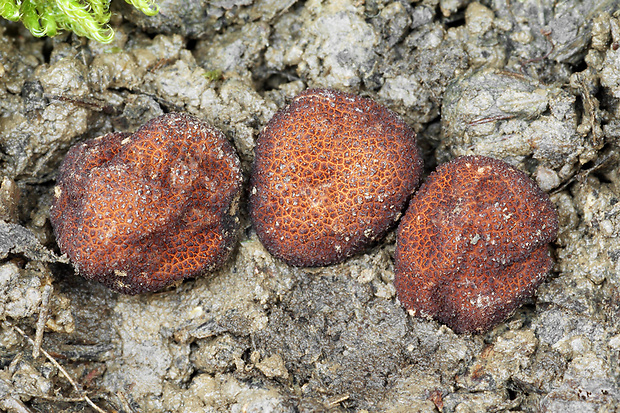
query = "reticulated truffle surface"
x=138 y=212
x=331 y=174
x=473 y=245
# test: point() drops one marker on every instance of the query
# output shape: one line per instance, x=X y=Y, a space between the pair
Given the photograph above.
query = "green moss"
x=87 y=18
x=213 y=75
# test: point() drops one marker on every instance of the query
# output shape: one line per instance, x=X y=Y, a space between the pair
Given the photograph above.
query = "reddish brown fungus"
x=473 y=244
x=331 y=174
x=138 y=212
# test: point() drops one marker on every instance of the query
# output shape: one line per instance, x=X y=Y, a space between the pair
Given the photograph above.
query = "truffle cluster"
x=473 y=244
x=332 y=172
x=331 y=175
x=138 y=212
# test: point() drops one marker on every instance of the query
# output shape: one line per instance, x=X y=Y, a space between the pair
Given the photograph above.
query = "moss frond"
x=9 y=10
x=147 y=7
x=87 y=18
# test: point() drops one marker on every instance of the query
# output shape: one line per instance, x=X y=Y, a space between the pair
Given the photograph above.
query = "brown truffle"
x=138 y=212
x=473 y=244
x=331 y=174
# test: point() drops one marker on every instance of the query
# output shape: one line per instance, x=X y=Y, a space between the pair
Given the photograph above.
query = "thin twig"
x=488 y=119
x=63 y=371
x=547 y=34
x=54 y=398
x=124 y=402
x=45 y=305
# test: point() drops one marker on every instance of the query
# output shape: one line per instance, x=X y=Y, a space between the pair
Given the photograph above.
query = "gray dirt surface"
x=536 y=83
